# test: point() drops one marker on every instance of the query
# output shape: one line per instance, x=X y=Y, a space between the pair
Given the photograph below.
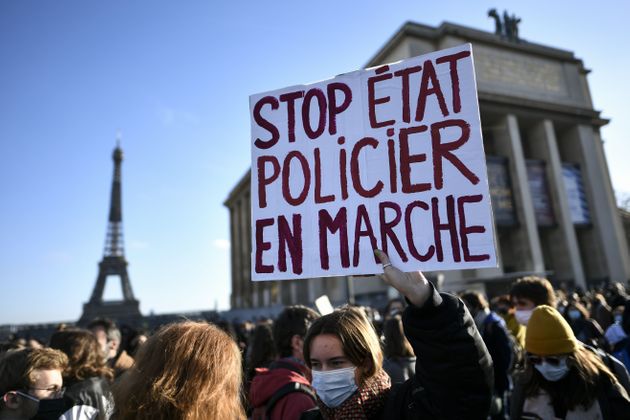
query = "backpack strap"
x=287 y=389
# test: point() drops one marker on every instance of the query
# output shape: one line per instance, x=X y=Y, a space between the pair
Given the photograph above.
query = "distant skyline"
x=174 y=78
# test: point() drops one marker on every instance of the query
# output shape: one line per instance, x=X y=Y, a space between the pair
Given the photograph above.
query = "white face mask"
x=333 y=387
x=553 y=373
x=522 y=316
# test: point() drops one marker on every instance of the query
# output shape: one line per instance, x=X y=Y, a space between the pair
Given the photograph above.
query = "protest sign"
x=323 y=305
x=389 y=157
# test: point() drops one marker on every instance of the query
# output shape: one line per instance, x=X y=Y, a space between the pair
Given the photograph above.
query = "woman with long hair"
x=399 y=360
x=87 y=378
x=562 y=378
x=188 y=370
x=453 y=376
x=261 y=351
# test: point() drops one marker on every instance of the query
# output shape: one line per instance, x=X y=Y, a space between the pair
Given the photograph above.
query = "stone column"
x=257 y=289
x=294 y=291
x=310 y=283
x=508 y=143
x=243 y=246
x=604 y=214
x=235 y=301
x=544 y=145
x=266 y=298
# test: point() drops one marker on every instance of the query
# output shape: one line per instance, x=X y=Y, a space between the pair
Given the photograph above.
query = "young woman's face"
x=327 y=353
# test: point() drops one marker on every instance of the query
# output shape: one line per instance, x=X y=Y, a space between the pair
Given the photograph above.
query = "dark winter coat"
x=453 y=375
x=94 y=392
x=495 y=335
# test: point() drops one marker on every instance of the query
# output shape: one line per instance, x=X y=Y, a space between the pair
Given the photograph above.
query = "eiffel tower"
x=113 y=263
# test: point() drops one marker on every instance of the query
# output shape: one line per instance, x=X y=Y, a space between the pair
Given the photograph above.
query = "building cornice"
x=238 y=190
x=418 y=30
x=586 y=115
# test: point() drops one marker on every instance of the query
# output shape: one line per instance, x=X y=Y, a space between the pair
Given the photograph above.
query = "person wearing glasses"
x=87 y=377
x=28 y=378
x=563 y=379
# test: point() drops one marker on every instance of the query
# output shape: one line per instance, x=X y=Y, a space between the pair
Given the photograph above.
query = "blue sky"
x=174 y=78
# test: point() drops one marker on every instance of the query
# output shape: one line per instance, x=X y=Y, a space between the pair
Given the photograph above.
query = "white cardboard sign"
x=389 y=157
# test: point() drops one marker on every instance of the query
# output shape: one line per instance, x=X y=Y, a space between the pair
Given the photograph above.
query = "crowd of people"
x=536 y=353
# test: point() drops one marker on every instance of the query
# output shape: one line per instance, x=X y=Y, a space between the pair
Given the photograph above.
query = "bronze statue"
x=508 y=28
x=498 y=26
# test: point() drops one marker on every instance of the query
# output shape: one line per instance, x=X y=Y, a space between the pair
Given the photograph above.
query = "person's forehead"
x=44 y=378
x=522 y=300
x=326 y=346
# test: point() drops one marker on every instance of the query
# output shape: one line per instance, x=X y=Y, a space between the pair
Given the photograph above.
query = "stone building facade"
x=553 y=203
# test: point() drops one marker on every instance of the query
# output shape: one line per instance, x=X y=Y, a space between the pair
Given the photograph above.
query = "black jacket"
x=453 y=376
x=496 y=338
x=94 y=392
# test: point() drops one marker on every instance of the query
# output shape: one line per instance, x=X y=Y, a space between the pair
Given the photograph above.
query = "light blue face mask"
x=333 y=387
x=553 y=373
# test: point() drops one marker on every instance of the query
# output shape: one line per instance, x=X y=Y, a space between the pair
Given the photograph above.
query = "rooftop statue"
x=508 y=28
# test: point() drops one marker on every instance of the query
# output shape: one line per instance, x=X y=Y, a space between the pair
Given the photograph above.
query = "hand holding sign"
x=386 y=158
x=413 y=285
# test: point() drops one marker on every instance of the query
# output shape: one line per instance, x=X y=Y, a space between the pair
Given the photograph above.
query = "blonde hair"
x=188 y=370
x=359 y=341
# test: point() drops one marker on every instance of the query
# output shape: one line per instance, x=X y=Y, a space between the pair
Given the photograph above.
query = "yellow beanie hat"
x=548 y=333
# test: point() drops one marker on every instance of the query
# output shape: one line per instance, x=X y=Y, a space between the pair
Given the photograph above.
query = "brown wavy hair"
x=188 y=370
x=359 y=341
x=587 y=376
x=84 y=355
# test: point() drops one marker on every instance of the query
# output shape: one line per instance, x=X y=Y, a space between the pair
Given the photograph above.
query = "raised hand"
x=414 y=286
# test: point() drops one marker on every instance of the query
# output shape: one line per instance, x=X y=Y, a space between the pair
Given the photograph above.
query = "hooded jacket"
x=270 y=380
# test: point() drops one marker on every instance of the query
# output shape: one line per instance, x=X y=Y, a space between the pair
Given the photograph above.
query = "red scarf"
x=365 y=404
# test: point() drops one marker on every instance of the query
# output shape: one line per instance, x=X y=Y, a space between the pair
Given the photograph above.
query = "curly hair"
x=17 y=367
x=188 y=370
x=84 y=355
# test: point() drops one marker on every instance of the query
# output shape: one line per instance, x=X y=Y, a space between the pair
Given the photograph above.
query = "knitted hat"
x=549 y=333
